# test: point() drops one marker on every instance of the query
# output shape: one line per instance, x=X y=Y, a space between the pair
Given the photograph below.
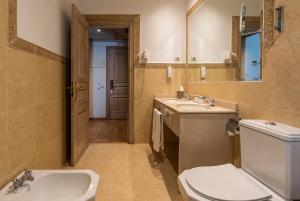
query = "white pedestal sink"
x=56 y=185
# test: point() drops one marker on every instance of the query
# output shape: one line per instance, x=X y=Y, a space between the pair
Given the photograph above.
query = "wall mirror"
x=225 y=40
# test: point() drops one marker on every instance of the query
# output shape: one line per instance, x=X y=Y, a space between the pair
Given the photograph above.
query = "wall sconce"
x=279 y=19
x=203 y=73
x=169 y=72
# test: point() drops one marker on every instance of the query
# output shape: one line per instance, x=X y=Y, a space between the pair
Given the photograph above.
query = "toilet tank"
x=271 y=153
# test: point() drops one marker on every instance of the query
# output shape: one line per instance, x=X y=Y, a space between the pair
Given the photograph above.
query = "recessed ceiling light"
x=98 y=30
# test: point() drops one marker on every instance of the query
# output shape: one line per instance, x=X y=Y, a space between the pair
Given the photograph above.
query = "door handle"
x=255 y=62
x=72 y=90
x=111 y=86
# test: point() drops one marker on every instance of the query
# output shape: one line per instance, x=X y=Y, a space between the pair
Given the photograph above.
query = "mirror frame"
x=18 y=43
x=268 y=29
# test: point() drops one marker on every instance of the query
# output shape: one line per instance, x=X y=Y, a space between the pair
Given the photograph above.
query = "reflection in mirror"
x=218 y=49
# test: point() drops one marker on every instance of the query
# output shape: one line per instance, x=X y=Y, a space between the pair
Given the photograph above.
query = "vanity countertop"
x=190 y=107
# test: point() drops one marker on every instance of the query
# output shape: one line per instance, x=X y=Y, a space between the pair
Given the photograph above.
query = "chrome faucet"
x=210 y=101
x=19 y=182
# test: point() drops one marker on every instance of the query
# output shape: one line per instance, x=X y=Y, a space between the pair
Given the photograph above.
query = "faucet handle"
x=19 y=182
x=27 y=175
x=16 y=183
x=212 y=102
x=187 y=96
x=27 y=172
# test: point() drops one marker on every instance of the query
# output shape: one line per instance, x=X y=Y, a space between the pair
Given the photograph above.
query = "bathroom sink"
x=56 y=185
x=193 y=107
x=183 y=106
x=176 y=101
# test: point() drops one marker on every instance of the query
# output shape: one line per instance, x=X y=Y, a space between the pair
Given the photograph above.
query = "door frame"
x=132 y=22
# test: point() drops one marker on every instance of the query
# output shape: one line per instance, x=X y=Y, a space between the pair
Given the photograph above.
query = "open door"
x=80 y=85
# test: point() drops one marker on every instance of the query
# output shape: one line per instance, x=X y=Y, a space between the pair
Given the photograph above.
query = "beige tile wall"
x=32 y=117
x=150 y=83
x=277 y=97
x=212 y=74
x=32 y=109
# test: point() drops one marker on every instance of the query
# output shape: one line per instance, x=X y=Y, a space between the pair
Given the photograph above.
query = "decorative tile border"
x=18 y=43
x=269 y=9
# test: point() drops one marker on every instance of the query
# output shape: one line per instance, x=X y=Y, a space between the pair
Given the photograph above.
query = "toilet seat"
x=222 y=183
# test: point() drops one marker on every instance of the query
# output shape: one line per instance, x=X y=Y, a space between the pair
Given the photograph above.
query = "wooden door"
x=80 y=85
x=117 y=82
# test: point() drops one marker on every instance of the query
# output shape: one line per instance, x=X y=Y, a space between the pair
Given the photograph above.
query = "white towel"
x=157 y=131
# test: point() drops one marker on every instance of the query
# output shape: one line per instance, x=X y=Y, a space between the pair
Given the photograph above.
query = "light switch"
x=100 y=86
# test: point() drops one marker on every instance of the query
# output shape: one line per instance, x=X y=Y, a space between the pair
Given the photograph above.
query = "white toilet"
x=270 y=168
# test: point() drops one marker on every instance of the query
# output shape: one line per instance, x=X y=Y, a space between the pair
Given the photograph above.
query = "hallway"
x=103 y=131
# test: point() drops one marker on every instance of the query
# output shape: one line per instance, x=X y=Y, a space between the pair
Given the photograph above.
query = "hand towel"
x=157 y=131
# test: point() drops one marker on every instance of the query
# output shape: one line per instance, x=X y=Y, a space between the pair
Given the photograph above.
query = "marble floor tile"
x=130 y=173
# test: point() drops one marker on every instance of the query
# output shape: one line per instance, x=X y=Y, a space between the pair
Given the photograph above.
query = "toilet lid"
x=224 y=183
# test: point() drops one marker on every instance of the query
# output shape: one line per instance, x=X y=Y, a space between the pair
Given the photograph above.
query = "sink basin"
x=193 y=107
x=56 y=185
x=175 y=101
x=183 y=106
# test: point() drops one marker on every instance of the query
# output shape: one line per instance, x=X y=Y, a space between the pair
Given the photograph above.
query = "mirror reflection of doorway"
x=108 y=85
x=246 y=49
x=251 y=57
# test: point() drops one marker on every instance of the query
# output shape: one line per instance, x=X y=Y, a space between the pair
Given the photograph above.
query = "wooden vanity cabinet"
x=203 y=139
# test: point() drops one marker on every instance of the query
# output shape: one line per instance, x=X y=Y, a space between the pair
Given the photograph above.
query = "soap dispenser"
x=180 y=93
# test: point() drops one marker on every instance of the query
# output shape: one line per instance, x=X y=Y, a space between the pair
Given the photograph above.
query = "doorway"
x=79 y=87
x=251 y=57
x=246 y=48
x=109 y=82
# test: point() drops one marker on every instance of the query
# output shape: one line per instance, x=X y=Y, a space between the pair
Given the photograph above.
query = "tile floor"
x=130 y=173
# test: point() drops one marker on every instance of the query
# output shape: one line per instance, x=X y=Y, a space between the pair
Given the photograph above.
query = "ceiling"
x=108 y=34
